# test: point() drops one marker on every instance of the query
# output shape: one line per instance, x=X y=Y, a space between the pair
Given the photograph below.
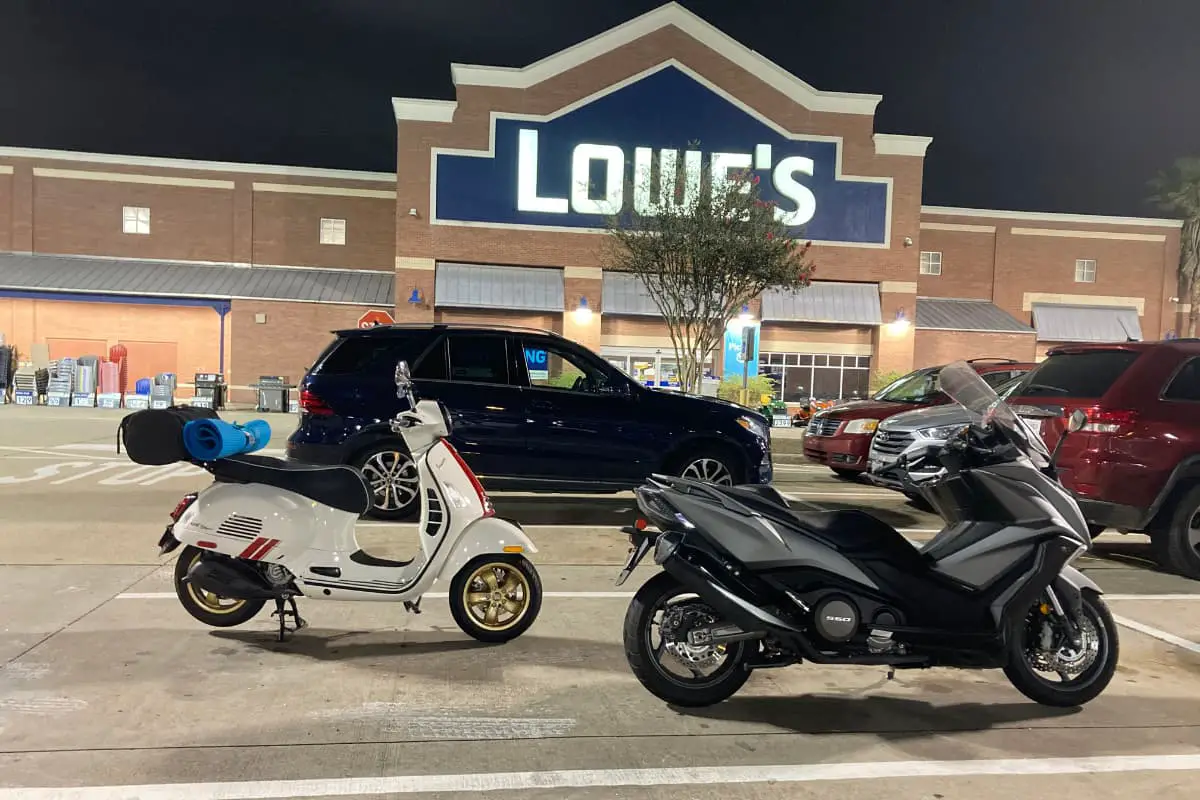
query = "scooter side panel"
x=487 y=536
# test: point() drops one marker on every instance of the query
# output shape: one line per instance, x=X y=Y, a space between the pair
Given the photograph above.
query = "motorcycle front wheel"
x=1039 y=649
x=656 y=625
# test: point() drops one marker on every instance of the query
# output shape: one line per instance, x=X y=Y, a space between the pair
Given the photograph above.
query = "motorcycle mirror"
x=403 y=378
x=1077 y=420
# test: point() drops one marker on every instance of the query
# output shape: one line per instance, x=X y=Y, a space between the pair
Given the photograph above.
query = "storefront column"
x=22 y=209
x=414 y=274
x=894 y=340
x=580 y=283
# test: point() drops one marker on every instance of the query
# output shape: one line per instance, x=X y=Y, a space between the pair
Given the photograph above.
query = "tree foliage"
x=1178 y=192
x=703 y=247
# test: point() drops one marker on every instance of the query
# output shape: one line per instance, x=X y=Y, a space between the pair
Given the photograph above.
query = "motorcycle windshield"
x=965 y=387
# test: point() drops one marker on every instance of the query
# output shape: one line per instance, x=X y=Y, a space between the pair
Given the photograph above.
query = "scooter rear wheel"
x=495 y=598
x=217 y=612
x=649 y=662
x=1083 y=673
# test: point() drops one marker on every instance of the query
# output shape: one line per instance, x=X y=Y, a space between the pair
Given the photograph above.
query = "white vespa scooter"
x=269 y=529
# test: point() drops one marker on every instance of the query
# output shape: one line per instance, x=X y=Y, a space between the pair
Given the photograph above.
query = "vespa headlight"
x=861 y=426
x=754 y=426
x=941 y=433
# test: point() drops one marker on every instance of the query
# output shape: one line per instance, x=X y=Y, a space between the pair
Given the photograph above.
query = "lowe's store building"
x=243 y=269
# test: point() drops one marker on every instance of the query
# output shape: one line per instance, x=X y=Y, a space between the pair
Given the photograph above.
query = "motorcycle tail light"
x=182 y=506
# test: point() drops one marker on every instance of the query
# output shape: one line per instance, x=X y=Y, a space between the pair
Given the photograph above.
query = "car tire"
x=392 y=476
x=1174 y=547
x=711 y=464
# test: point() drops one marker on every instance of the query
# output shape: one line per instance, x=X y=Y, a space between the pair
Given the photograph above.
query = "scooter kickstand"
x=282 y=614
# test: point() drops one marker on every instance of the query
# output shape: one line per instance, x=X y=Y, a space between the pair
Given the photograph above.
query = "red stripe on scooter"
x=254 y=546
x=261 y=554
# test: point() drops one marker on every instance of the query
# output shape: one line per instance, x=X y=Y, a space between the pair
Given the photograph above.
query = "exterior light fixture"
x=583 y=314
x=741 y=321
x=415 y=297
x=900 y=324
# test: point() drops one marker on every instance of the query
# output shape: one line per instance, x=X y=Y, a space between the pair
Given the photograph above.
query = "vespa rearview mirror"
x=403 y=378
x=1077 y=420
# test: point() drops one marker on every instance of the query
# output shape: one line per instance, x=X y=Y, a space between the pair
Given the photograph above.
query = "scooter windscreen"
x=964 y=386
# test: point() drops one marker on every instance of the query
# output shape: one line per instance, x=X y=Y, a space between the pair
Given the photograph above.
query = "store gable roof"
x=668 y=15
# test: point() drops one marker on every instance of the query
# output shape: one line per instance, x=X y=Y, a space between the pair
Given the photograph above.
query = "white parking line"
x=427 y=595
x=1161 y=635
x=595 y=778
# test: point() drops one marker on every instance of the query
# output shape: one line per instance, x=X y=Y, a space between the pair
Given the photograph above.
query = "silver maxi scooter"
x=748 y=583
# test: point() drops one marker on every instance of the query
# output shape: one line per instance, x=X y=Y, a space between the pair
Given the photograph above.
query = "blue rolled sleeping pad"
x=214 y=439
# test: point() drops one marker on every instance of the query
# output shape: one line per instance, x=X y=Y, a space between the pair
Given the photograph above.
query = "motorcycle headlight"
x=941 y=433
x=861 y=426
x=754 y=426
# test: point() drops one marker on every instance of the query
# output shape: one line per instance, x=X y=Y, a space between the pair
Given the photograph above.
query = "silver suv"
x=918 y=429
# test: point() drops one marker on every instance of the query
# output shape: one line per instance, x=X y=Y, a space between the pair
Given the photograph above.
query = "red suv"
x=840 y=438
x=1135 y=466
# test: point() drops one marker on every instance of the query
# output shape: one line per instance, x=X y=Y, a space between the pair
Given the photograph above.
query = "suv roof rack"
x=992 y=360
x=438 y=326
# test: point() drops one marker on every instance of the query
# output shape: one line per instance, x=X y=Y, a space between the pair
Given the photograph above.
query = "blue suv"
x=531 y=411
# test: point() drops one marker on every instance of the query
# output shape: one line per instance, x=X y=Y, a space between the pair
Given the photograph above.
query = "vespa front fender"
x=486 y=536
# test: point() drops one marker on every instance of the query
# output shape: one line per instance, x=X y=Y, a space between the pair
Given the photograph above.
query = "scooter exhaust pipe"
x=227 y=578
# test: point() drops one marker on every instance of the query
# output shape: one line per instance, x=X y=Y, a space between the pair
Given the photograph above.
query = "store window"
x=649 y=366
x=333 y=231
x=135 y=220
x=931 y=263
x=1085 y=270
x=801 y=376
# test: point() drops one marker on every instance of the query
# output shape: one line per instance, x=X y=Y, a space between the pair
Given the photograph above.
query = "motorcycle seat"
x=336 y=486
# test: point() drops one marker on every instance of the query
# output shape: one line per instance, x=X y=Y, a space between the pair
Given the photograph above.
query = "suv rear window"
x=1088 y=374
x=357 y=355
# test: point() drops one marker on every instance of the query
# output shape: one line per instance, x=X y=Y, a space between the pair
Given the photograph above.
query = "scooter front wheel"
x=1038 y=650
x=219 y=612
x=495 y=598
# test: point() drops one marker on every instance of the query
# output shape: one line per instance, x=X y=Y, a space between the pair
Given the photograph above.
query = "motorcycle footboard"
x=749 y=617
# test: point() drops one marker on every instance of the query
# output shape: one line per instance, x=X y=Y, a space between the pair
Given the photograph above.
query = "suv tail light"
x=1103 y=420
x=484 y=500
x=311 y=404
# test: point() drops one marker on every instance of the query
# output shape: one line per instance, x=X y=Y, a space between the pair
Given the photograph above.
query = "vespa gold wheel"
x=495 y=599
x=211 y=609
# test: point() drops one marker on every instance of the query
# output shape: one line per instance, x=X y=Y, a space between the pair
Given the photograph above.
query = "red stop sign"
x=375 y=317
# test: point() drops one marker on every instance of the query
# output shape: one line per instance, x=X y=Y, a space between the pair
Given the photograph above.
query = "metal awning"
x=952 y=314
x=824 y=301
x=112 y=276
x=624 y=293
x=486 y=286
x=1061 y=323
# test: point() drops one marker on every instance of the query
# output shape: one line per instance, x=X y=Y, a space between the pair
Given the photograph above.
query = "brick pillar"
x=414 y=273
x=242 y=251
x=579 y=282
x=22 y=208
x=894 y=344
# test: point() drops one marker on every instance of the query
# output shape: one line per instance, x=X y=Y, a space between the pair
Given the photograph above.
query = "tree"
x=1178 y=192
x=704 y=249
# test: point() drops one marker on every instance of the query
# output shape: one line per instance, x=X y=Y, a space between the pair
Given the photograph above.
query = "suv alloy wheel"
x=392 y=475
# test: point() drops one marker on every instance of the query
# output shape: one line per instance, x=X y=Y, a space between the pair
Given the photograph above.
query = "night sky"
x=1036 y=105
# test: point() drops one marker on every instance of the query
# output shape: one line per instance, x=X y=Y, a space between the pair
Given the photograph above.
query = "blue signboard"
x=733 y=353
x=537 y=361
x=570 y=171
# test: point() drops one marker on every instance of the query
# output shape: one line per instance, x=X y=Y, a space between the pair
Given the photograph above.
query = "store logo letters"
x=612 y=190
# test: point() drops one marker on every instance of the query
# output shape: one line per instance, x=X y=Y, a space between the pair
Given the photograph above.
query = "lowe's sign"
x=572 y=171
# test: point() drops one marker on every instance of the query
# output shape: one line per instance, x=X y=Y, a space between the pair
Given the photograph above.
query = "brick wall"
x=967 y=263
x=6 y=203
x=287 y=231
x=288 y=342
x=941 y=347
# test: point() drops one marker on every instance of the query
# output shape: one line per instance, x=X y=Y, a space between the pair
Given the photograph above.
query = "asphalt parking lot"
x=109 y=691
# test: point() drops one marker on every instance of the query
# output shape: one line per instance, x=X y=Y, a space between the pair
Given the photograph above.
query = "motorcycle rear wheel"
x=1077 y=689
x=645 y=659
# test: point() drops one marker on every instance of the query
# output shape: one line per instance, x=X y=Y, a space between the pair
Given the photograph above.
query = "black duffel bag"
x=154 y=436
